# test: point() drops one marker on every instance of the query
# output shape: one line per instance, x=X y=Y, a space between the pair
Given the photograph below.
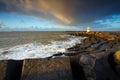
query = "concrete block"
x=47 y=69
x=3 y=68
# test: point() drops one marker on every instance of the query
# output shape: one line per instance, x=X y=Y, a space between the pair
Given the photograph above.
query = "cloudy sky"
x=62 y=15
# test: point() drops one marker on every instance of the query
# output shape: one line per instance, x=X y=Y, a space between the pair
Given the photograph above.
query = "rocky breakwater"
x=103 y=35
x=99 y=55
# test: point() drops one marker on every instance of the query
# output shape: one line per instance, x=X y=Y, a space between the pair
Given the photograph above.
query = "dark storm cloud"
x=91 y=10
x=68 y=12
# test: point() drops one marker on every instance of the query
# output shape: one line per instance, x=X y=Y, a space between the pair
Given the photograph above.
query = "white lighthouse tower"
x=88 y=28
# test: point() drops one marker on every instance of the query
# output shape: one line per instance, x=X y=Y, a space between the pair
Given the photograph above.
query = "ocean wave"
x=38 y=50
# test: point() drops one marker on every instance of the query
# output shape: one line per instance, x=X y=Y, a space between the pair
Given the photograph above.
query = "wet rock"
x=5 y=52
x=74 y=48
x=3 y=68
x=47 y=69
x=58 y=54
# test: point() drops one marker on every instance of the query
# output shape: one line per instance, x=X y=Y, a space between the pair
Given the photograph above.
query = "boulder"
x=117 y=61
x=117 y=57
x=98 y=66
x=47 y=69
x=87 y=62
x=111 y=37
x=94 y=39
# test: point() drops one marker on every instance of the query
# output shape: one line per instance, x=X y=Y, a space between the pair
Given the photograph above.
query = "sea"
x=23 y=45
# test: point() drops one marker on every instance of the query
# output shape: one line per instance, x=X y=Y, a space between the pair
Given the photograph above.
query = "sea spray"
x=38 y=50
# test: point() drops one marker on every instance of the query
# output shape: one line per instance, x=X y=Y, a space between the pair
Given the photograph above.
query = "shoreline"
x=93 y=58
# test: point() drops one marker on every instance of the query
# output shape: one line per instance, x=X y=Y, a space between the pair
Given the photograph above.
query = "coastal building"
x=88 y=28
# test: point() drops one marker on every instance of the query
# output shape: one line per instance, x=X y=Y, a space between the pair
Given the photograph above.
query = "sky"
x=59 y=15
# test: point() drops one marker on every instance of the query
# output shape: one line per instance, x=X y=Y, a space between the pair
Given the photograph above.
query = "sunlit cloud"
x=65 y=12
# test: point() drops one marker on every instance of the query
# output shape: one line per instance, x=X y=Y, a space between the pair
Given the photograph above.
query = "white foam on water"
x=38 y=50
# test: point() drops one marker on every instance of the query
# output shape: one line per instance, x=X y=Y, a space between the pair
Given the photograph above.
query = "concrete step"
x=47 y=69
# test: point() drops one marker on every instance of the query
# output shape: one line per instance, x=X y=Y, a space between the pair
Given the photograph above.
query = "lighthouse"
x=88 y=28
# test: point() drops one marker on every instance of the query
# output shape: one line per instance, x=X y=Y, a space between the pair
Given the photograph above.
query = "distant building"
x=88 y=28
